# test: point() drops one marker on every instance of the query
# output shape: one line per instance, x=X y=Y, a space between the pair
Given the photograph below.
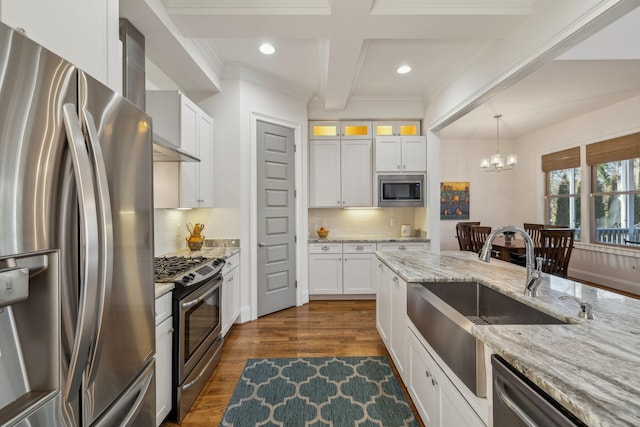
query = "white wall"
x=493 y=197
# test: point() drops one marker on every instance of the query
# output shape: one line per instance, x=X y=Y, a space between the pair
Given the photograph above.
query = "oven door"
x=199 y=325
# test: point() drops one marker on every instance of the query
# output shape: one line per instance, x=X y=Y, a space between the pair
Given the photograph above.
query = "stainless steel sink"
x=445 y=313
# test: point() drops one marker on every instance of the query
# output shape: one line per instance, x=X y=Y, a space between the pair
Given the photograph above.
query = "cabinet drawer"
x=403 y=246
x=325 y=248
x=163 y=307
x=230 y=263
x=358 y=248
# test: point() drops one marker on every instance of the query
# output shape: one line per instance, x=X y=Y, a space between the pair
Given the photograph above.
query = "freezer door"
x=125 y=335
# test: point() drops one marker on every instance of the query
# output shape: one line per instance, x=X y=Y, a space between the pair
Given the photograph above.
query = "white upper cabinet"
x=324 y=173
x=401 y=153
x=396 y=128
x=324 y=130
x=340 y=173
x=179 y=121
x=85 y=33
x=355 y=130
x=357 y=173
x=340 y=166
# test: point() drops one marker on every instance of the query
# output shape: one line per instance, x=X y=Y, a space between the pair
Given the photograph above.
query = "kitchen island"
x=589 y=366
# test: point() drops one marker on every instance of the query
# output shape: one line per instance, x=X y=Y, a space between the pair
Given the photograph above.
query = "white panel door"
x=205 y=167
x=383 y=303
x=359 y=273
x=414 y=153
x=189 y=143
x=398 y=338
x=388 y=153
x=324 y=174
x=356 y=176
x=325 y=274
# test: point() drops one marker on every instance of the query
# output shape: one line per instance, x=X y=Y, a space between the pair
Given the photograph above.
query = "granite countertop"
x=366 y=239
x=591 y=367
x=163 y=288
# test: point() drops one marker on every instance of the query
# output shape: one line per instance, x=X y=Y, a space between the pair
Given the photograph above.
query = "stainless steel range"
x=197 y=341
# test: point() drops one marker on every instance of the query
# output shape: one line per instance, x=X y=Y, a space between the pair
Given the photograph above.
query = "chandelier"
x=496 y=163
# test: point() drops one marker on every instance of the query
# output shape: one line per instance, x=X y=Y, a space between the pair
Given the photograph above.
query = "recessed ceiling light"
x=403 y=69
x=267 y=48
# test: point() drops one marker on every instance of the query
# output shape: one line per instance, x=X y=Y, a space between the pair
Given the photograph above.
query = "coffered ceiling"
x=338 y=50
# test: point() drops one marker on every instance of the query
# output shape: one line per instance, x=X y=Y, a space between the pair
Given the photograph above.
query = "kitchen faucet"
x=534 y=275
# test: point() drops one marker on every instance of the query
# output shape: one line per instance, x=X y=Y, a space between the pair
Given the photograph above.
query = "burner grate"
x=168 y=267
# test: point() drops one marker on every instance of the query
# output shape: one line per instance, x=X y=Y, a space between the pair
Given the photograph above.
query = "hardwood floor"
x=320 y=328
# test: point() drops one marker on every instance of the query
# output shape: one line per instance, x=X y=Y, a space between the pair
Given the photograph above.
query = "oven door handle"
x=191 y=383
x=191 y=303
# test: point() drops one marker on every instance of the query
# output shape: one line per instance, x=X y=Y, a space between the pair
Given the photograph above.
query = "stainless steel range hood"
x=164 y=151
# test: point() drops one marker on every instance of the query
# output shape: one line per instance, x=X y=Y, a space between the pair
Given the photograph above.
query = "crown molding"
x=248 y=7
x=236 y=70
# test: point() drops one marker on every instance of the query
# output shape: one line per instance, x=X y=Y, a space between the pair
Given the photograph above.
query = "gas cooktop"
x=186 y=270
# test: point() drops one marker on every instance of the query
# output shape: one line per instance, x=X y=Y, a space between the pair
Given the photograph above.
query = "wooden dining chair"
x=533 y=230
x=479 y=234
x=463 y=234
x=555 y=250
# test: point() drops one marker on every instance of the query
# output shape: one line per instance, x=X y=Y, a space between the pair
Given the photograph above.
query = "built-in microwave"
x=401 y=190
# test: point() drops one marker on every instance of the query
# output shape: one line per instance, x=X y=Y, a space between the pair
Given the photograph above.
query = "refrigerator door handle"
x=105 y=239
x=88 y=295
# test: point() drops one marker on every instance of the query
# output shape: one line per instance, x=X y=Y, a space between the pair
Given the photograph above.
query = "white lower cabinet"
x=342 y=269
x=437 y=399
x=230 y=310
x=383 y=302
x=398 y=324
x=358 y=268
x=164 y=346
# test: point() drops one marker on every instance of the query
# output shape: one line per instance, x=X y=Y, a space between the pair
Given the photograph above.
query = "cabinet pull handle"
x=402 y=247
x=433 y=382
x=359 y=248
x=325 y=248
x=395 y=279
x=398 y=167
x=427 y=373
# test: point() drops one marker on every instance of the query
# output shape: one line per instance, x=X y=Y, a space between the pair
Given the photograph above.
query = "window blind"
x=564 y=159
x=613 y=150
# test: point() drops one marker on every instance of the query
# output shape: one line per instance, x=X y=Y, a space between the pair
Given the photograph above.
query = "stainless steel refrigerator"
x=77 y=338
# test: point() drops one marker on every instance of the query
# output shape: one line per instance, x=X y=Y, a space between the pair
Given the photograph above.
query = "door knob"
x=262 y=244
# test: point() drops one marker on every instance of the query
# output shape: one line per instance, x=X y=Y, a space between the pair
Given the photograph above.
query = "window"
x=563 y=187
x=615 y=187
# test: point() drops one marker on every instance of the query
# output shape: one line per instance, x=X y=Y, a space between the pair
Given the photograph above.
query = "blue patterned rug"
x=318 y=392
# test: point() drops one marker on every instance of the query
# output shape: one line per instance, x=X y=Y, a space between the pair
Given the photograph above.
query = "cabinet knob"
x=261 y=244
x=398 y=166
x=404 y=166
x=395 y=279
x=427 y=373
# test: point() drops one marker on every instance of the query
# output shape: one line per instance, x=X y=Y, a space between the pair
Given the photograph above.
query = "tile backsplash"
x=384 y=222
x=170 y=230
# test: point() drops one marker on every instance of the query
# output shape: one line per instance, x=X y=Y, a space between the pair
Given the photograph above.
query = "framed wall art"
x=454 y=200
